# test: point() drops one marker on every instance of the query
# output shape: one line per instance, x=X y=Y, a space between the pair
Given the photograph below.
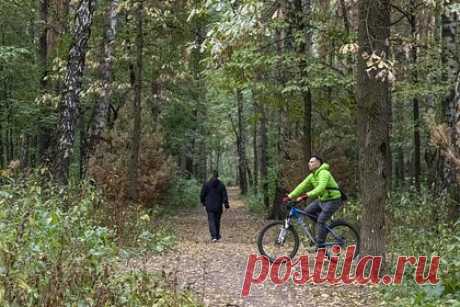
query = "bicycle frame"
x=298 y=214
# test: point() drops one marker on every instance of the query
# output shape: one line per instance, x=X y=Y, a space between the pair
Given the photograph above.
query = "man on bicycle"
x=322 y=187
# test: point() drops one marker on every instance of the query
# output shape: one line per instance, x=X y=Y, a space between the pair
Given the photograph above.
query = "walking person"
x=213 y=197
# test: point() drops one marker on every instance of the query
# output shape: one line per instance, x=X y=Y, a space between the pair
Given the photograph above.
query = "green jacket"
x=316 y=183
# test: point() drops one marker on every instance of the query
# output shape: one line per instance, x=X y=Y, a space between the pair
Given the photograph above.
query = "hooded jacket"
x=213 y=195
x=316 y=185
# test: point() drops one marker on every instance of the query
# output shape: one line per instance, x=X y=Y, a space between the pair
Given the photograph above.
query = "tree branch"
x=406 y=14
x=397 y=21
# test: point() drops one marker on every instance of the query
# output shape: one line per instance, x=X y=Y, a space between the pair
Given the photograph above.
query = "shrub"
x=52 y=253
x=109 y=168
x=183 y=193
x=417 y=226
x=255 y=203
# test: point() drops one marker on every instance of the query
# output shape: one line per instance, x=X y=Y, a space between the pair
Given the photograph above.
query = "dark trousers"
x=322 y=211
x=214 y=224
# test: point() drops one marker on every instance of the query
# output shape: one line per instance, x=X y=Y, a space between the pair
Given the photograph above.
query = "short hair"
x=318 y=158
x=215 y=173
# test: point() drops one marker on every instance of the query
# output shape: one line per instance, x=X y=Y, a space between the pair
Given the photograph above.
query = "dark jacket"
x=213 y=195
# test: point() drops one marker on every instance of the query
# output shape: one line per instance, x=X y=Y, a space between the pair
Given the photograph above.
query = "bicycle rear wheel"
x=276 y=241
x=343 y=234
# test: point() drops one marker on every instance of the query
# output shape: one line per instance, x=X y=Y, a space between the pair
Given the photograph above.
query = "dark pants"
x=214 y=224
x=322 y=211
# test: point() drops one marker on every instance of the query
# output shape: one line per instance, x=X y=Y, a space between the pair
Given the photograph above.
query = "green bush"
x=52 y=253
x=417 y=226
x=144 y=289
x=350 y=211
x=184 y=193
x=255 y=203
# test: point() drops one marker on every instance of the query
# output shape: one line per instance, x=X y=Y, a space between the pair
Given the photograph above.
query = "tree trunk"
x=306 y=95
x=242 y=168
x=10 y=137
x=43 y=42
x=83 y=142
x=188 y=153
x=2 y=142
x=44 y=135
x=72 y=87
x=202 y=155
x=156 y=100
x=276 y=212
x=307 y=127
x=399 y=163
x=453 y=177
x=346 y=22
x=133 y=164
x=293 y=15
x=202 y=172
x=451 y=46
x=218 y=156
x=3 y=139
x=417 y=165
x=400 y=173
x=264 y=154
x=249 y=173
x=194 y=156
x=415 y=103
x=100 y=113
x=373 y=126
x=25 y=139
x=254 y=145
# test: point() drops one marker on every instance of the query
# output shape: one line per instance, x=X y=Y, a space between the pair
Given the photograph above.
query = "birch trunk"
x=101 y=109
x=70 y=100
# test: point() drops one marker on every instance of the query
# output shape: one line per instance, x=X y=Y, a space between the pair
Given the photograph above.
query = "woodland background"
x=115 y=112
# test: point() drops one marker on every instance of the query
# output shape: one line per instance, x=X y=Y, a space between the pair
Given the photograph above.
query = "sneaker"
x=214 y=240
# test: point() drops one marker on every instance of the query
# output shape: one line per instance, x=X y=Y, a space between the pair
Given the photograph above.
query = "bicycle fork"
x=283 y=232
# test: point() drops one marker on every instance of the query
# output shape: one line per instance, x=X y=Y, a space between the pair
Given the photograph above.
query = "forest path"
x=215 y=271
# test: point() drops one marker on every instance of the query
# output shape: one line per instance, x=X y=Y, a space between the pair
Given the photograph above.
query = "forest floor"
x=214 y=272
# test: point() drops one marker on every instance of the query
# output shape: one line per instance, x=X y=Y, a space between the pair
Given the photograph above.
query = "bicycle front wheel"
x=274 y=240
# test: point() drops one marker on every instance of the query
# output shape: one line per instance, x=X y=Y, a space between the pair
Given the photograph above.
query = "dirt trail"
x=215 y=271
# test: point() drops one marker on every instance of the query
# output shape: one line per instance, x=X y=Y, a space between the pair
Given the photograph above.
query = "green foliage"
x=179 y=124
x=255 y=203
x=8 y=53
x=148 y=241
x=53 y=253
x=145 y=289
x=351 y=211
x=227 y=180
x=418 y=227
x=183 y=193
x=140 y=236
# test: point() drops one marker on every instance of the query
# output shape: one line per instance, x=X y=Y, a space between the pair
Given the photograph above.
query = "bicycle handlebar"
x=292 y=203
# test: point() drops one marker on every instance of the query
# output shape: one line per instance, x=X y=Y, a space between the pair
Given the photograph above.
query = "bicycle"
x=286 y=239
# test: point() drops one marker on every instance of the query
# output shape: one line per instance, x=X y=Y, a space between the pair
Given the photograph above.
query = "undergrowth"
x=54 y=250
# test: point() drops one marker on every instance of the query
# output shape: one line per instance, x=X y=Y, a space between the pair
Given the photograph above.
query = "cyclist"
x=321 y=186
